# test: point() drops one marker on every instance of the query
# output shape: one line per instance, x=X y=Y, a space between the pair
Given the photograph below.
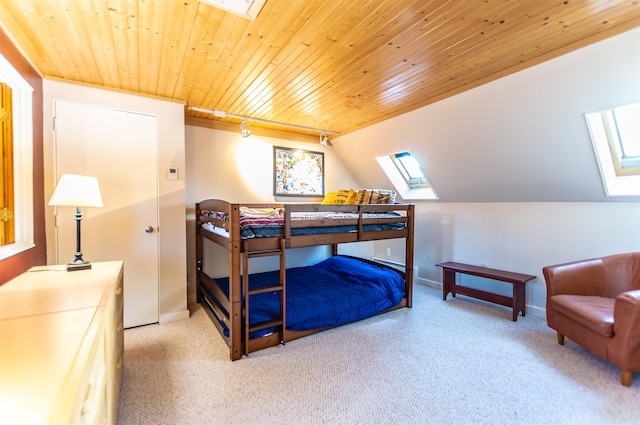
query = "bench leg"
x=519 y=300
x=448 y=283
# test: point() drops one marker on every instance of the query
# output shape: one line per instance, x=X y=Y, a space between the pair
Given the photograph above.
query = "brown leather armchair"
x=596 y=303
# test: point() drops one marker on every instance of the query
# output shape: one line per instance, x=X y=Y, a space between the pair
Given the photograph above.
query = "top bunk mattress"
x=266 y=223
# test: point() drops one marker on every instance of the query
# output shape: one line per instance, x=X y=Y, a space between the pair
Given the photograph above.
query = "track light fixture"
x=324 y=134
x=243 y=129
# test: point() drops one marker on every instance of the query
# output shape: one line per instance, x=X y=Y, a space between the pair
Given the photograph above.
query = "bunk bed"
x=260 y=310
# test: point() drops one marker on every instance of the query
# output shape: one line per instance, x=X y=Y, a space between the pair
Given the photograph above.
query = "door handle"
x=148 y=229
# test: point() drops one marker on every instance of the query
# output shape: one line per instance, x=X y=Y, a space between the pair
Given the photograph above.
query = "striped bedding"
x=270 y=222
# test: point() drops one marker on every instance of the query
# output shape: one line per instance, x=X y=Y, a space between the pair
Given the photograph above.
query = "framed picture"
x=298 y=172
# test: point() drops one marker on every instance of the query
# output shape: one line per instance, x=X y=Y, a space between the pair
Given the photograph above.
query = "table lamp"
x=77 y=191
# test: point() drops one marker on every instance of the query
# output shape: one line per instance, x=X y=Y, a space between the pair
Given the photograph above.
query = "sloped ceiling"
x=327 y=64
x=522 y=138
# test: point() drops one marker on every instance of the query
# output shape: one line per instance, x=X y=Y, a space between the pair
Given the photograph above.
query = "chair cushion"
x=595 y=313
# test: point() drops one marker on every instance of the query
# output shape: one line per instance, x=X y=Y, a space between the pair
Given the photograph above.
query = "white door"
x=119 y=148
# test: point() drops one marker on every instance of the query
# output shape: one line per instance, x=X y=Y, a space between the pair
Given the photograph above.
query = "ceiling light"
x=248 y=9
x=243 y=129
x=324 y=139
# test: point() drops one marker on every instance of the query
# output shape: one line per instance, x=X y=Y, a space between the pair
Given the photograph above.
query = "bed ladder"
x=281 y=287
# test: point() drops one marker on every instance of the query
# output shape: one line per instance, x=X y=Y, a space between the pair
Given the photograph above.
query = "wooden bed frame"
x=240 y=250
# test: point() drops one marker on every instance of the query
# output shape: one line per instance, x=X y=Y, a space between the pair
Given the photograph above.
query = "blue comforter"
x=333 y=292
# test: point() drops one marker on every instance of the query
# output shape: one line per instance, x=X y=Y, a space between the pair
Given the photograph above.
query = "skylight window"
x=626 y=141
x=615 y=134
x=248 y=9
x=406 y=175
x=410 y=169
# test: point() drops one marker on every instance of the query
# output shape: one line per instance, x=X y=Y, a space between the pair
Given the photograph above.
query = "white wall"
x=514 y=166
x=171 y=153
x=517 y=236
x=521 y=237
x=224 y=165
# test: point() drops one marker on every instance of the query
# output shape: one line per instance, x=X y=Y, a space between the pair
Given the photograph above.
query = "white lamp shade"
x=76 y=191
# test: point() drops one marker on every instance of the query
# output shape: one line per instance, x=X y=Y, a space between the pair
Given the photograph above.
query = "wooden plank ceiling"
x=329 y=64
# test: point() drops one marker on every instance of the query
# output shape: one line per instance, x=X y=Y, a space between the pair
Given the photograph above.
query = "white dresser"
x=62 y=345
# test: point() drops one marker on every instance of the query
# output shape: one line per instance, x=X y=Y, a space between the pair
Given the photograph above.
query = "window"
x=7 y=228
x=623 y=134
x=615 y=134
x=22 y=129
x=406 y=175
x=410 y=169
x=248 y=9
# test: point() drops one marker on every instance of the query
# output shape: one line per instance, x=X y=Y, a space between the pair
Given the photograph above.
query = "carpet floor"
x=456 y=362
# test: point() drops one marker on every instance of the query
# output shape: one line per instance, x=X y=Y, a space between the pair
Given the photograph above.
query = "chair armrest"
x=586 y=277
x=626 y=311
x=624 y=348
x=631 y=296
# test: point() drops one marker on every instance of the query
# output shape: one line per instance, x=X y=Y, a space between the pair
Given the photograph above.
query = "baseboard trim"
x=172 y=317
x=430 y=283
x=536 y=311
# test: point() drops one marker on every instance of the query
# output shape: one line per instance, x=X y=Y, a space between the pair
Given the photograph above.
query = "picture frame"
x=298 y=172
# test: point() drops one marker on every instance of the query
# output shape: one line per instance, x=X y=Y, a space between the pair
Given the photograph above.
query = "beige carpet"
x=456 y=362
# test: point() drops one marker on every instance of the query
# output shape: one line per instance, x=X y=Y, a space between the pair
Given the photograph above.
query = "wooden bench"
x=517 y=301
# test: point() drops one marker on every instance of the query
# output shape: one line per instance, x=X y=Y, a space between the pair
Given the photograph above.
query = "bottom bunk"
x=333 y=292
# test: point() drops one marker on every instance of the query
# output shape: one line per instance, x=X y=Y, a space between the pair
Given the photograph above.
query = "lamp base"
x=78 y=265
